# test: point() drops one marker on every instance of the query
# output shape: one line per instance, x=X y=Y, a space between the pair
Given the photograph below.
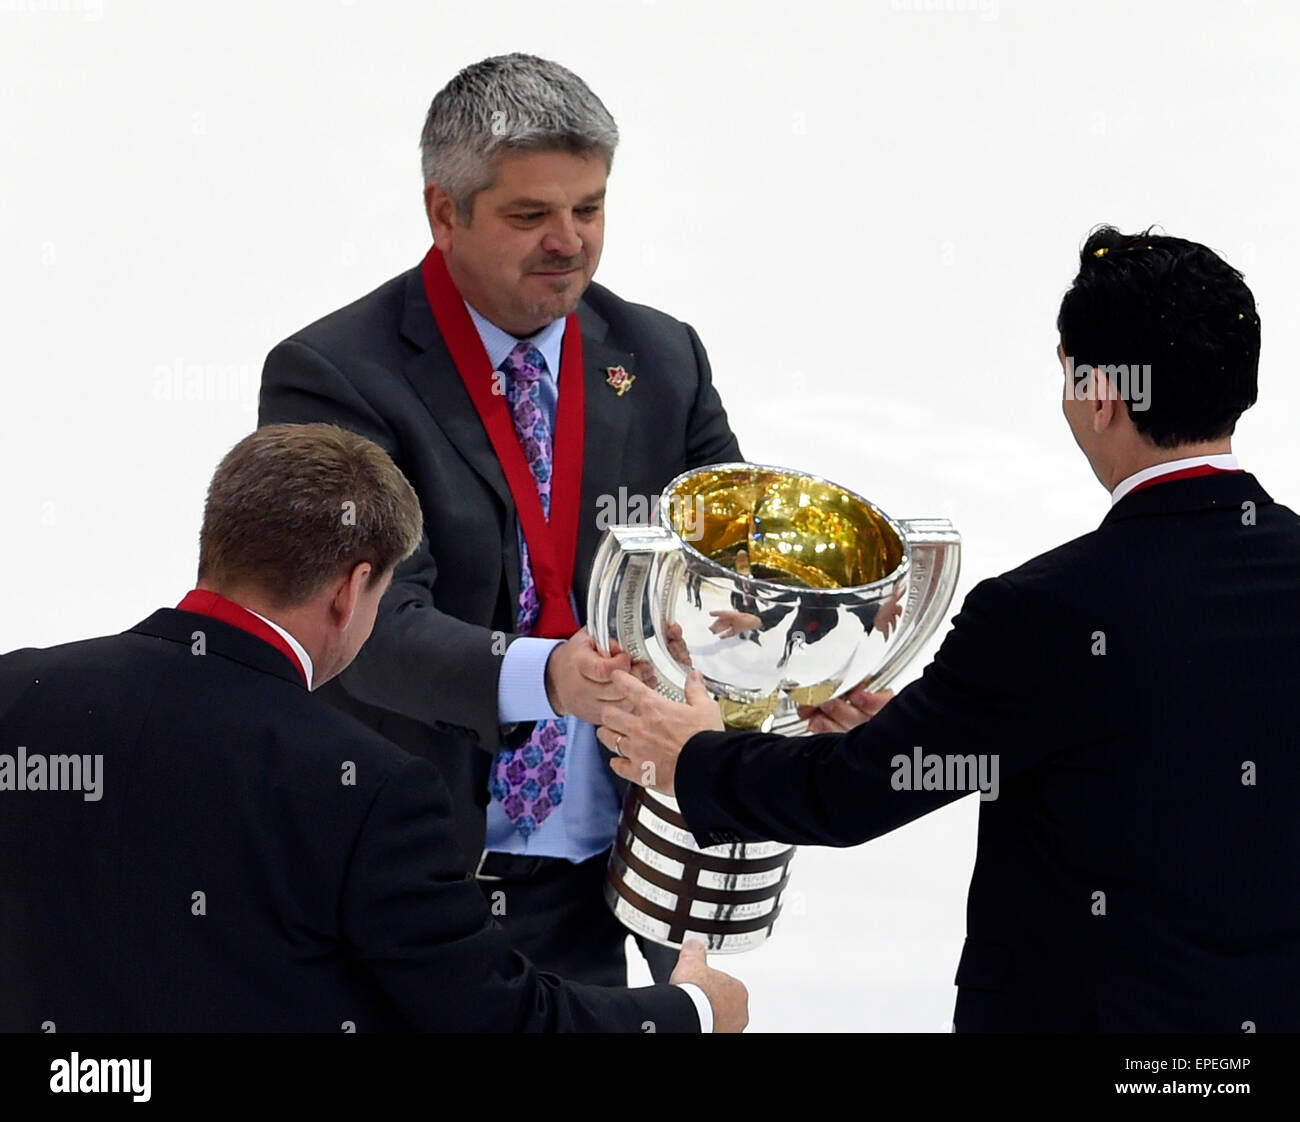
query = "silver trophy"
x=783 y=590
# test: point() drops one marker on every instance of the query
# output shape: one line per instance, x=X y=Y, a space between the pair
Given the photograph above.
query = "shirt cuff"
x=702 y=1006
x=521 y=688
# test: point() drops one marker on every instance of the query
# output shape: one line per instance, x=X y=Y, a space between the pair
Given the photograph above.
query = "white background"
x=869 y=211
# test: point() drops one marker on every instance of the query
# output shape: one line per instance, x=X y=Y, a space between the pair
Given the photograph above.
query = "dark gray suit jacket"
x=427 y=678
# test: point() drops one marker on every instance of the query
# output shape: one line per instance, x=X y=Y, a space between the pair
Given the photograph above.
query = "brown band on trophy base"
x=707 y=861
x=680 y=923
x=698 y=891
x=687 y=890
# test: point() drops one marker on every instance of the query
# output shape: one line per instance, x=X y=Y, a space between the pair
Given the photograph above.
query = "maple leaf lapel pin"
x=619 y=379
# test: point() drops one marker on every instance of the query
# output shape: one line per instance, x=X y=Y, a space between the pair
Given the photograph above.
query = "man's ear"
x=441 y=209
x=348 y=592
x=1103 y=403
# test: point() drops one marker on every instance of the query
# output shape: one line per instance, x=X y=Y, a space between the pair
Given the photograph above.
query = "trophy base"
x=665 y=888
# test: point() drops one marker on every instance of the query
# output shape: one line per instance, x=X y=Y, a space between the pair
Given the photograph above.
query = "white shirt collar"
x=499 y=344
x=294 y=645
x=1226 y=461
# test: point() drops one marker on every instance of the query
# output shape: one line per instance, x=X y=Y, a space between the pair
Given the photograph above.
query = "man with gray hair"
x=518 y=397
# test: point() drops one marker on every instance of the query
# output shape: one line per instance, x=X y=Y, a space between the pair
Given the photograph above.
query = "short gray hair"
x=514 y=102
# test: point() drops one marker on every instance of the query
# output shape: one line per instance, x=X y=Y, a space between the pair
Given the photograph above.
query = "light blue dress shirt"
x=586 y=820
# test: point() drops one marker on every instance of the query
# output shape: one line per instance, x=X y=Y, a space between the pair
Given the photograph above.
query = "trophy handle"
x=935 y=549
x=619 y=599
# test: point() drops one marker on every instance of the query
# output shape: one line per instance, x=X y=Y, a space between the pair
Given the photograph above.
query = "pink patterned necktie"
x=528 y=781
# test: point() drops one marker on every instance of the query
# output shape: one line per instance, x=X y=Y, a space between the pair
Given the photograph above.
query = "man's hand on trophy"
x=579 y=678
x=727 y=995
x=843 y=713
x=648 y=731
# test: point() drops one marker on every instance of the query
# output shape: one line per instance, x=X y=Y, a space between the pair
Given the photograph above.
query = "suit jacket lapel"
x=433 y=376
x=609 y=416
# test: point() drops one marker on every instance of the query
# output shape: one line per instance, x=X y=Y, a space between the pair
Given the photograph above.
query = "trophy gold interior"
x=784 y=527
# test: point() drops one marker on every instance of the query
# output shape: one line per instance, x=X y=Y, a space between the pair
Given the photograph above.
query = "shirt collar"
x=1225 y=461
x=499 y=344
x=298 y=648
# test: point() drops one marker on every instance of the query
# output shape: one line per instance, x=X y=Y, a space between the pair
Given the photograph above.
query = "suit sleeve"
x=709 y=439
x=418 y=661
x=424 y=932
x=990 y=698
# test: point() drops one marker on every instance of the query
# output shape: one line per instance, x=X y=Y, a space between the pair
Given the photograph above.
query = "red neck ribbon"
x=204 y=603
x=1184 y=473
x=553 y=544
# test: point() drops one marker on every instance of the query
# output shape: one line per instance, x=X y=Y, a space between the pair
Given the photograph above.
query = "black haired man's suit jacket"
x=1137 y=870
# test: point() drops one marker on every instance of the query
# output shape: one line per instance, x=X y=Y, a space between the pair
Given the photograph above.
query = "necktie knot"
x=525 y=363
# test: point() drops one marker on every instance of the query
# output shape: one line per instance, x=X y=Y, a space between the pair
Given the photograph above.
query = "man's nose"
x=562 y=237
